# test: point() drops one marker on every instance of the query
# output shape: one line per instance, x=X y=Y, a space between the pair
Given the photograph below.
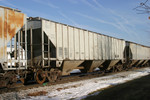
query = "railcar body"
x=68 y=47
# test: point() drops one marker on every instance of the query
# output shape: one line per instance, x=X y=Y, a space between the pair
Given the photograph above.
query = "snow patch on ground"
x=78 y=90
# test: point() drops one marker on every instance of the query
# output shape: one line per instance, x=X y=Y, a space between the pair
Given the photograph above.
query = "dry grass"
x=73 y=86
x=39 y=93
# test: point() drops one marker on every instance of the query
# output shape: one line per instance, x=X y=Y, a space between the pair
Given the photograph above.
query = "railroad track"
x=72 y=78
x=65 y=79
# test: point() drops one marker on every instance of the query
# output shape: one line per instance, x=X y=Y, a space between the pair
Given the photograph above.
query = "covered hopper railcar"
x=62 y=48
x=137 y=55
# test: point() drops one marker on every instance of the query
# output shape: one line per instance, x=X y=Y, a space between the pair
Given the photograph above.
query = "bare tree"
x=143 y=8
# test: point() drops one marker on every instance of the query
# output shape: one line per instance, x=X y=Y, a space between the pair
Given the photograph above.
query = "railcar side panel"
x=77 y=45
x=103 y=47
x=86 y=36
x=113 y=49
x=65 y=42
x=100 y=49
x=59 y=31
x=95 y=46
x=106 y=47
x=133 y=48
x=91 y=47
x=71 y=43
x=82 y=44
x=120 y=50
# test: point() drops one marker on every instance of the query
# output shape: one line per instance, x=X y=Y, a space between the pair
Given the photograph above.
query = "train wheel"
x=114 y=69
x=59 y=74
x=40 y=76
x=54 y=75
x=51 y=75
x=119 y=67
x=22 y=80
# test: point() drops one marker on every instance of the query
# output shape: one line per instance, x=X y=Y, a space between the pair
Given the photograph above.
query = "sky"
x=115 y=18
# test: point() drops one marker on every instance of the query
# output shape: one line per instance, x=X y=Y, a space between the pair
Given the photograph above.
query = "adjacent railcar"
x=139 y=55
x=13 y=47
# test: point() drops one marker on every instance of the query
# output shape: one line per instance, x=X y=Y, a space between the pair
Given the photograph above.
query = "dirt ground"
x=138 y=89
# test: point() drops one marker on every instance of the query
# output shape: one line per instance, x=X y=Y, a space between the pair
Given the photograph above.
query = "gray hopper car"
x=40 y=49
